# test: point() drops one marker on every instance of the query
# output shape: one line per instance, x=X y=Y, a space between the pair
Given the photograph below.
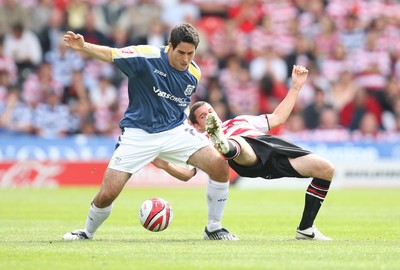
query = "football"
x=155 y=214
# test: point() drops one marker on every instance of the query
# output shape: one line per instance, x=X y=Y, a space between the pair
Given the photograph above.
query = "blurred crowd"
x=248 y=47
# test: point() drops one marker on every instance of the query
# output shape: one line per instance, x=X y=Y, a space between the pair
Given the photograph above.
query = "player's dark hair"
x=184 y=33
x=192 y=117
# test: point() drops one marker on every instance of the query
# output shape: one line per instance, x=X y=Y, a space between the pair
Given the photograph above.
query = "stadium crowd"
x=248 y=47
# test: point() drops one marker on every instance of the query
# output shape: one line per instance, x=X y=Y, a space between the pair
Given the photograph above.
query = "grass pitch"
x=365 y=226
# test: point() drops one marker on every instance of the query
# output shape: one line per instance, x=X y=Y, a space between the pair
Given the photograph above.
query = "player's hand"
x=74 y=41
x=299 y=76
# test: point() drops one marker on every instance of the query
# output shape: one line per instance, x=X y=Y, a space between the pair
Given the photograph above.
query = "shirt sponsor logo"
x=160 y=73
x=127 y=51
x=180 y=101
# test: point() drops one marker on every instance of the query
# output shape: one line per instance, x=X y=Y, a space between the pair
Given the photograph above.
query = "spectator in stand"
x=302 y=55
x=24 y=48
x=234 y=81
x=109 y=15
x=352 y=36
x=282 y=12
x=224 y=38
x=246 y=14
x=337 y=62
x=82 y=118
x=386 y=36
x=12 y=12
x=178 y=12
x=294 y=128
x=157 y=35
x=294 y=124
x=103 y=97
x=139 y=18
x=329 y=128
x=91 y=31
x=268 y=63
x=390 y=117
x=343 y=90
x=368 y=129
x=243 y=96
x=38 y=84
x=312 y=111
x=311 y=17
x=64 y=62
x=217 y=99
x=326 y=38
x=209 y=69
x=315 y=80
x=353 y=112
x=39 y=15
x=51 y=117
x=212 y=8
x=76 y=90
x=263 y=37
x=15 y=116
x=373 y=66
x=119 y=37
x=7 y=64
x=94 y=69
x=50 y=35
x=272 y=92
x=76 y=11
x=229 y=74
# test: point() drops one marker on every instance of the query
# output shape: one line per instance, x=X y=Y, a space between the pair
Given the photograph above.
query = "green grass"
x=365 y=226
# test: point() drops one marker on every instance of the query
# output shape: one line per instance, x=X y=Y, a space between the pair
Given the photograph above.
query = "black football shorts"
x=273 y=154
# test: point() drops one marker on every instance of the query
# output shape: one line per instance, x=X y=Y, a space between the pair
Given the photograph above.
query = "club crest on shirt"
x=189 y=90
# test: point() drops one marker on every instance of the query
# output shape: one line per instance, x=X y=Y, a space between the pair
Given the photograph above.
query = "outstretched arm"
x=283 y=110
x=176 y=171
x=77 y=42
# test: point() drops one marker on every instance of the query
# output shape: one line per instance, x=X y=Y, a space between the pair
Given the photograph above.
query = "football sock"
x=234 y=149
x=96 y=217
x=315 y=196
x=217 y=194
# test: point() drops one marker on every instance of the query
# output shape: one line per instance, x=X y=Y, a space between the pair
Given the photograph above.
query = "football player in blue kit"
x=161 y=82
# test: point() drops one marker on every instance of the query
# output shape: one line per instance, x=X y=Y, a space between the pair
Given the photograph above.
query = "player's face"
x=181 y=56
x=201 y=114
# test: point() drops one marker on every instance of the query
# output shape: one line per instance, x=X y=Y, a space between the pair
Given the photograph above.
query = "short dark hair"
x=192 y=117
x=184 y=32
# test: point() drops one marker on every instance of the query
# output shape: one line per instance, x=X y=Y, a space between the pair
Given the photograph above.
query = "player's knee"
x=329 y=170
x=219 y=172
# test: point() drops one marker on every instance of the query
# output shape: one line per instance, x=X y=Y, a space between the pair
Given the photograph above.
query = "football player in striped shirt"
x=252 y=153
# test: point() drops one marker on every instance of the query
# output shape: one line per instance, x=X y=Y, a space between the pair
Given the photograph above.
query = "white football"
x=155 y=214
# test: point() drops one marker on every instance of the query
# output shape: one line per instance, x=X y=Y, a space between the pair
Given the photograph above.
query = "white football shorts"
x=137 y=148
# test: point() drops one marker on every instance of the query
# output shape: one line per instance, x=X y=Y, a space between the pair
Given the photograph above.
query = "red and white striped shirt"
x=246 y=125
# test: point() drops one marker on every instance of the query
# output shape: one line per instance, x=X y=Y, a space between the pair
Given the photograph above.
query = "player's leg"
x=134 y=151
x=210 y=161
x=186 y=146
x=246 y=156
x=235 y=148
x=102 y=204
x=322 y=171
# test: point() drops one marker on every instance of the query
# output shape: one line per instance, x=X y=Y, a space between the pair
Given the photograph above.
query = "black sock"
x=315 y=196
x=234 y=149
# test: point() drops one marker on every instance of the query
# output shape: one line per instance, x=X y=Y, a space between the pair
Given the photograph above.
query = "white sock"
x=217 y=194
x=96 y=217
